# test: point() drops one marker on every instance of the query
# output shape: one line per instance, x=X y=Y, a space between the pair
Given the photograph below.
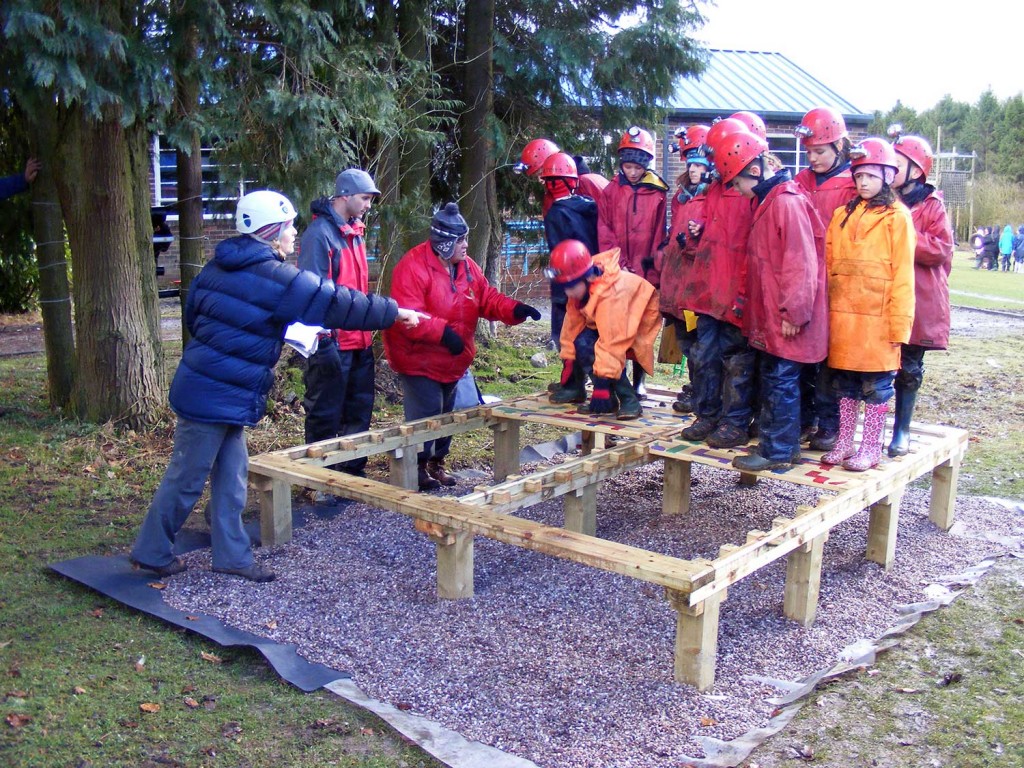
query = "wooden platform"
x=694 y=588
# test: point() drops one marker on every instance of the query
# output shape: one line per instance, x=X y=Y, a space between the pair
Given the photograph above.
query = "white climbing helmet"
x=258 y=209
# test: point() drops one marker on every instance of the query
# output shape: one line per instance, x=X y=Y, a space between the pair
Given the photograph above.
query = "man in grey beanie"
x=340 y=376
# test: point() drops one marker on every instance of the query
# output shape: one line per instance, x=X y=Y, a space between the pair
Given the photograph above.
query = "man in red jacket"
x=340 y=374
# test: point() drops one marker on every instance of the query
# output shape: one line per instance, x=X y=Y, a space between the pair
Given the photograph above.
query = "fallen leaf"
x=17 y=721
x=150 y=708
x=907 y=690
x=89 y=469
x=366 y=731
x=157 y=585
x=188 y=688
x=127 y=723
x=191 y=703
x=212 y=658
x=96 y=613
x=78 y=690
x=140 y=664
x=707 y=722
x=17 y=694
x=403 y=706
x=271 y=625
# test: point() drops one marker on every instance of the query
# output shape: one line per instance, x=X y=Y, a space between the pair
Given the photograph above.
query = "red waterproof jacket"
x=422 y=281
x=632 y=219
x=592 y=185
x=786 y=277
x=832 y=193
x=933 y=259
x=716 y=281
x=677 y=260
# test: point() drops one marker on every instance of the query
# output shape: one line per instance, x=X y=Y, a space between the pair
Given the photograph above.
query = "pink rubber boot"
x=870 y=450
x=843 y=449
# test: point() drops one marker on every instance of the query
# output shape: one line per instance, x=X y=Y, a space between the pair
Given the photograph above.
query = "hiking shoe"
x=699 y=430
x=728 y=436
x=755 y=462
x=435 y=468
x=684 y=401
x=423 y=479
x=163 y=571
x=823 y=441
x=252 y=572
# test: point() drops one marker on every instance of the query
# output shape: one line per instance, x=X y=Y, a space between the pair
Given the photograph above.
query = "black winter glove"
x=452 y=341
x=601 y=398
x=523 y=311
x=681 y=239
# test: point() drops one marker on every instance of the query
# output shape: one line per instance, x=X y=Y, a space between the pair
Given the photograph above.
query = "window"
x=218 y=197
x=786 y=147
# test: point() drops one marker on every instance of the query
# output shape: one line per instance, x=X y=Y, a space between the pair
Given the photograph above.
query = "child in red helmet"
x=933 y=259
x=786 y=315
x=612 y=315
x=531 y=161
x=869 y=253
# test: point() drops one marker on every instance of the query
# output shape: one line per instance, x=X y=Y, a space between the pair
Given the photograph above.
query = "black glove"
x=523 y=311
x=452 y=341
x=601 y=398
x=647 y=264
x=681 y=239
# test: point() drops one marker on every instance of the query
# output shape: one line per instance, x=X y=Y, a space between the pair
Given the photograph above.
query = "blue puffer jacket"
x=238 y=307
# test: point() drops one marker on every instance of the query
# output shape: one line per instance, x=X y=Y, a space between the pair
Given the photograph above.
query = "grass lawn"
x=91 y=683
x=983 y=288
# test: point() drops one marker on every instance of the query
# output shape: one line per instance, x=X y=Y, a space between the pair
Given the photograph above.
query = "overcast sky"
x=965 y=47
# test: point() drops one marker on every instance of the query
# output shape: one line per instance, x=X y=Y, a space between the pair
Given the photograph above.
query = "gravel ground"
x=569 y=666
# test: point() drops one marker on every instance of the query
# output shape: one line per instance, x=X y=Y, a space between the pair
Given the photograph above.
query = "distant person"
x=978 y=246
x=18 y=183
x=1006 y=247
x=991 y=259
x=1018 y=251
x=238 y=307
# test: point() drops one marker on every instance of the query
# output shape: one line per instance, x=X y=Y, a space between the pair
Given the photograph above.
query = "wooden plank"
x=675 y=498
x=403 y=469
x=942 y=507
x=803 y=581
x=696 y=646
x=581 y=510
x=275 y=510
x=455 y=566
x=882 y=524
x=506 y=449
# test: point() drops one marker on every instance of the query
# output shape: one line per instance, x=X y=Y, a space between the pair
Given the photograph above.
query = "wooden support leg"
x=403 y=467
x=588 y=441
x=944 y=480
x=882 y=524
x=455 y=565
x=803 y=581
x=696 y=639
x=581 y=510
x=506 y=450
x=747 y=479
x=275 y=510
x=675 y=499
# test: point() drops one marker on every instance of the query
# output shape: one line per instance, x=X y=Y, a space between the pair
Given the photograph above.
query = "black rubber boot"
x=575 y=390
x=629 y=403
x=904 y=412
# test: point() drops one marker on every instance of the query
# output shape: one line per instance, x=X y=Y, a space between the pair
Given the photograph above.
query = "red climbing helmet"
x=753 y=123
x=915 y=148
x=873 y=151
x=736 y=151
x=690 y=138
x=534 y=155
x=559 y=165
x=570 y=261
x=822 y=125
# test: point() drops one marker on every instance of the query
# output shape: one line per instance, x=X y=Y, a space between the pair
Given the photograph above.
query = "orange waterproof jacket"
x=623 y=308
x=870 y=264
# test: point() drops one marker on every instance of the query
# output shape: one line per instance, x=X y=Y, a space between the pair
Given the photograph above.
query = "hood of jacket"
x=239 y=252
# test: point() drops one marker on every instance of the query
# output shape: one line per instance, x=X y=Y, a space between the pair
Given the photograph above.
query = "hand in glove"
x=601 y=399
x=452 y=341
x=681 y=239
x=523 y=311
x=647 y=264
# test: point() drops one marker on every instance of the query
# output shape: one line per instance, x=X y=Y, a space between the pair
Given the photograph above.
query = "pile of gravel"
x=569 y=666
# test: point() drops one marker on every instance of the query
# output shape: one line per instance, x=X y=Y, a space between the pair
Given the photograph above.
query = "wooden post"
x=506 y=449
x=803 y=581
x=882 y=524
x=675 y=498
x=696 y=639
x=581 y=510
x=275 y=510
x=943 y=503
x=455 y=565
x=587 y=442
x=746 y=478
x=404 y=472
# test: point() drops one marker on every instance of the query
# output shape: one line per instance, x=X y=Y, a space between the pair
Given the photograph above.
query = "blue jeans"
x=724 y=366
x=215 y=451
x=822 y=404
x=423 y=397
x=873 y=387
x=779 y=426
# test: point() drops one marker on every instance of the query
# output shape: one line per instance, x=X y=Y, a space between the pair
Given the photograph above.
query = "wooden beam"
x=506 y=449
x=275 y=510
x=455 y=566
x=943 y=501
x=696 y=647
x=675 y=498
x=883 y=521
x=581 y=510
x=803 y=581
x=403 y=469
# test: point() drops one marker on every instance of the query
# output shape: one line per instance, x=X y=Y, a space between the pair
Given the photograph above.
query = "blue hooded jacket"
x=237 y=310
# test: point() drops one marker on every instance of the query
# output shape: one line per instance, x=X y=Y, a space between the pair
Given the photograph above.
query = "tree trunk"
x=479 y=188
x=105 y=195
x=191 y=256
x=51 y=256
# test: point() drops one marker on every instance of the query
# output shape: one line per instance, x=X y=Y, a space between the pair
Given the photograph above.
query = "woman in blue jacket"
x=238 y=307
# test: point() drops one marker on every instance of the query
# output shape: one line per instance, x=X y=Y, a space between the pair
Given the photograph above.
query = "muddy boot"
x=572 y=388
x=629 y=403
x=870 y=450
x=638 y=380
x=905 y=401
x=843 y=449
x=684 y=400
x=435 y=468
x=424 y=480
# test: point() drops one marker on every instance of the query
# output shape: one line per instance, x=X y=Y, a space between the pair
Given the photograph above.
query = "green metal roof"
x=759 y=81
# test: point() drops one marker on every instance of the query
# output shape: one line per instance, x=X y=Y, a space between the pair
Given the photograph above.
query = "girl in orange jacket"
x=869 y=257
